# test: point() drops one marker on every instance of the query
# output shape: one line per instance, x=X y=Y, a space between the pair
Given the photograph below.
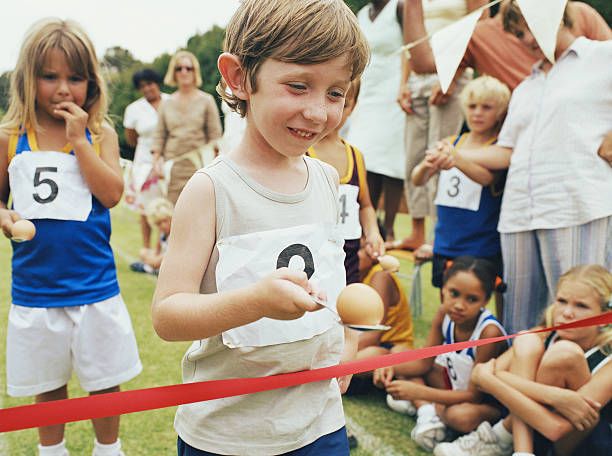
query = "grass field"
x=379 y=430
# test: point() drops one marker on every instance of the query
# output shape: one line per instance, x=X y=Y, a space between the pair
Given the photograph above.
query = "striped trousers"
x=534 y=261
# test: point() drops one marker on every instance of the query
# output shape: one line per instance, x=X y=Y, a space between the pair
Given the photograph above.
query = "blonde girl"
x=159 y=214
x=556 y=386
x=59 y=162
x=469 y=196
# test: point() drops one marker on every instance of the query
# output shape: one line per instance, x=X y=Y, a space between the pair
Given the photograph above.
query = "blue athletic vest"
x=464 y=232
x=68 y=263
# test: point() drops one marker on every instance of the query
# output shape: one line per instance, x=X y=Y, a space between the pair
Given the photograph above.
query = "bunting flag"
x=449 y=44
x=544 y=18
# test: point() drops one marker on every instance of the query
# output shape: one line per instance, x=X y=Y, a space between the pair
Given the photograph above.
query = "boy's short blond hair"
x=159 y=209
x=486 y=88
x=170 y=78
x=294 y=31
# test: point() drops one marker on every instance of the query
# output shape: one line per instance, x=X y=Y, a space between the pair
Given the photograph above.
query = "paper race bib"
x=246 y=259
x=349 y=211
x=458 y=368
x=49 y=185
x=455 y=189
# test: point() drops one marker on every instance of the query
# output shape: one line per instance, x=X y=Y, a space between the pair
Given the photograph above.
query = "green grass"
x=152 y=433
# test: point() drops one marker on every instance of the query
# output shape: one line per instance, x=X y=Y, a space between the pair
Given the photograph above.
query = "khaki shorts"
x=44 y=345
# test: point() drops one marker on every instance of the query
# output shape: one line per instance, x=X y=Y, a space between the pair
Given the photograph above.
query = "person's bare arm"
x=532 y=411
x=102 y=173
x=423 y=171
x=131 y=137
x=473 y=170
x=473 y=5
x=605 y=149
x=493 y=157
x=7 y=216
x=411 y=391
x=180 y=312
x=422 y=59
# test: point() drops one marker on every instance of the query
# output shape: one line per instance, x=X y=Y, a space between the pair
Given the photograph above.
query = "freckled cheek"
x=335 y=115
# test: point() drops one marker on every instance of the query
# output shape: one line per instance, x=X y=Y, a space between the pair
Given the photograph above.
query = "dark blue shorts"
x=334 y=444
x=597 y=443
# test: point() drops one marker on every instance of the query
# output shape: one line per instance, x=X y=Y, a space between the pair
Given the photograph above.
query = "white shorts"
x=45 y=344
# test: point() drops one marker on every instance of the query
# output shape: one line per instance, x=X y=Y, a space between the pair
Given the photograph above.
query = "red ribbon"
x=111 y=404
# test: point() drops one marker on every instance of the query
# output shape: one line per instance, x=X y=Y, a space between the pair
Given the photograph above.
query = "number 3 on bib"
x=455 y=189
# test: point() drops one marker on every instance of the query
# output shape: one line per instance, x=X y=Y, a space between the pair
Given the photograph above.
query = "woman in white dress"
x=140 y=122
x=377 y=124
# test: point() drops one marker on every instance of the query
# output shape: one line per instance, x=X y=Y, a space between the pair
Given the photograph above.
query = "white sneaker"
x=401 y=406
x=428 y=432
x=482 y=442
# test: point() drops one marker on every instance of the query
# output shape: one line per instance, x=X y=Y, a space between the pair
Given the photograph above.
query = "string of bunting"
x=103 y=405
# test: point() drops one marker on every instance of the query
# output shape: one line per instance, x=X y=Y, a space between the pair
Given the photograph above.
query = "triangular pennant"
x=449 y=44
x=543 y=18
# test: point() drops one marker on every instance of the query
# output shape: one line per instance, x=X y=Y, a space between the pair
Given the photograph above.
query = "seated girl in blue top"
x=469 y=196
x=440 y=388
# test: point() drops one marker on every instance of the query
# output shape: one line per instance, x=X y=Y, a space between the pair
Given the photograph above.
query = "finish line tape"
x=111 y=404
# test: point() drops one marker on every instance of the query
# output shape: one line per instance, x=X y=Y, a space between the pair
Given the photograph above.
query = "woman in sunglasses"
x=188 y=121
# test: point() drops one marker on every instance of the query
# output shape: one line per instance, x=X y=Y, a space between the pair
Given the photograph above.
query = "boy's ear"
x=233 y=74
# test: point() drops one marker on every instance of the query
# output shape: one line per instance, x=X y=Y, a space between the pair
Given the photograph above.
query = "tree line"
x=119 y=64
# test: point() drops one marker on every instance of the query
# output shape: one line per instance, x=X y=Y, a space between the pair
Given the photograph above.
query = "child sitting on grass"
x=440 y=388
x=557 y=386
x=159 y=214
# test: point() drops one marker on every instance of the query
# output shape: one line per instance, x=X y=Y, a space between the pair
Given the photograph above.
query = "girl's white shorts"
x=45 y=344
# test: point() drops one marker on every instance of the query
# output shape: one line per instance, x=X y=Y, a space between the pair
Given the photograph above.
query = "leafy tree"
x=356 y=5
x=119 y=59
x=4 y=91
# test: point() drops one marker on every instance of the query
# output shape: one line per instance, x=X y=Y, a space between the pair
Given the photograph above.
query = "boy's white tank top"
x=278 y=421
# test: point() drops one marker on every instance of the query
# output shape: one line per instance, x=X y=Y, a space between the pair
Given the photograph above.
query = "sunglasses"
x=179 y=68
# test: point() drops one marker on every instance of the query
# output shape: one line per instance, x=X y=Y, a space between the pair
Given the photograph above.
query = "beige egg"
x=360 y=304
x=389 y=263
x=23 y=230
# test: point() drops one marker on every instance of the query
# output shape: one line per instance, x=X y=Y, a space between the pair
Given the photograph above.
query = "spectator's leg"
x=375 y=185
x=393 y=194
x=415 y=138
x=526 y=293
x=564 y=248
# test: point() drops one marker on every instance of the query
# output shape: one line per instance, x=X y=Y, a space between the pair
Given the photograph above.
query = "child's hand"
x=405 y=390
x=404 y=98
x=285 y=295
x=442 y=160
x=344 y=382
x=7 y=219
x=383 y=376
x=579 y=410
x=76 y=121
x=374 y=245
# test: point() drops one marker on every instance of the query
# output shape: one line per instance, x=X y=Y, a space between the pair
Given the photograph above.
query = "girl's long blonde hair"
x=599 y=279
x=44 y=36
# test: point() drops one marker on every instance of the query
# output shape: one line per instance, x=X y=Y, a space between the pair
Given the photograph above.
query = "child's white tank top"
x=253 y=226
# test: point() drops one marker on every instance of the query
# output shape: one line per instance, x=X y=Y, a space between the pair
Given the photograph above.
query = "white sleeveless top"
x=377 y=124
x=257 y=231
x=458 y=365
